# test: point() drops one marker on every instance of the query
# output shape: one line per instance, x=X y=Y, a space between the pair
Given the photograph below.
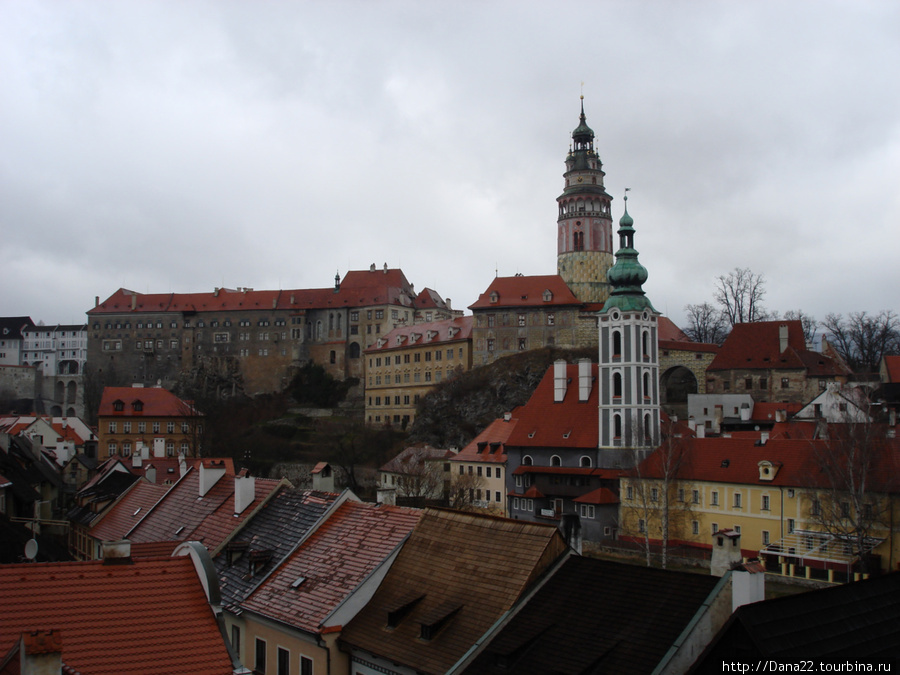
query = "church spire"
x=627 y=276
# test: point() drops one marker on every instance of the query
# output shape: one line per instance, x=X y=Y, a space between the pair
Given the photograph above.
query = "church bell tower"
x=584 y=237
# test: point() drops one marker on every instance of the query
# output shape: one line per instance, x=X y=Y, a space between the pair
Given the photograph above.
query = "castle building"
x=250 y=340
x=629 y=360
x=584 y=242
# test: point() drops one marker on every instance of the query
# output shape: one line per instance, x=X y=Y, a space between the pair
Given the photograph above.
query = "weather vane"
x=626 y=193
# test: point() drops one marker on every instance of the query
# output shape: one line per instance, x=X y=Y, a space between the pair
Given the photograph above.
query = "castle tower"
x=584 y=236
x=629 y=359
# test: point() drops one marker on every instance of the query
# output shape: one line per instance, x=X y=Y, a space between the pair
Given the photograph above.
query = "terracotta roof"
x=117 y=618
x=417 y=454
x=436 y=332
x=892 y=368
x=182 y=514
x=764 y=411
x=490 y=444
x=667 y=330
x=611 y=474
x=522 y=291
x=758 y=346
x=568 y=424
x=277 y=527
x=736 y=461
x=455 y=576
x=596 y=616
x=157 y=402
x=126 y=511
x=427 y=298
x=331 y=563
x=680 y=345
x=359 y=288
x=599 y=496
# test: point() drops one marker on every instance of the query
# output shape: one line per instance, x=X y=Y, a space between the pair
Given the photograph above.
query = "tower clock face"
x=580 y=179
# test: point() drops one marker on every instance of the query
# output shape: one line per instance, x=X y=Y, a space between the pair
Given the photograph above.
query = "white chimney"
x=747 y=585
x=584 y=379
x=182 y=466
x=559 y=381
x=211 y=471
x=701 y=431
x=763 y=437
x=745 y=412
x=244 y=492
x=783 y=337
x=150 y=473
x=116 y=551
x=159 y=447
x=137 y=461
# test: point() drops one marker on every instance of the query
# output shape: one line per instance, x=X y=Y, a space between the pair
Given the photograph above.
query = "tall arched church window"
x=617 y=385
x=617 y=343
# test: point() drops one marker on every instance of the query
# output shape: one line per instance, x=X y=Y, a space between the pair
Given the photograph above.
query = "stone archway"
x=675 y=385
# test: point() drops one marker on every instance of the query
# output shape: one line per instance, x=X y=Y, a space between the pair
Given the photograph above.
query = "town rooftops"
x=414 y=456
x=315 y=578
x=521 y=291
x=141 y=616
x=11 y=326
x=435 y=332
x=490 y=444
x=359 y=288
x=453 y=579
x=143 y=401
x=569 y=423
x=596 y=616
x=126 y=511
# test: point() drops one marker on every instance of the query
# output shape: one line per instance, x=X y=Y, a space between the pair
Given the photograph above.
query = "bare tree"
x=655 y=501
x=849 y=501
x=705 y=324
x=863 y=339
x=740 y=294
x=809 y=323
x=421 y=476
x=462 y=491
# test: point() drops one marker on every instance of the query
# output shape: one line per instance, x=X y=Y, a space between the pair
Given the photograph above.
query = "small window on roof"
x=137 y=406
x=118 y=405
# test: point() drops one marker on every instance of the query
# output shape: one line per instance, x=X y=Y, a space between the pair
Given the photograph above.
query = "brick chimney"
x=584 y=379
x=211 y=470
x=244 y=491
x=40 y=652
x=559 y=381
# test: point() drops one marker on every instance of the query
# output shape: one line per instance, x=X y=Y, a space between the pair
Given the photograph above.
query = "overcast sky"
x=181 y=146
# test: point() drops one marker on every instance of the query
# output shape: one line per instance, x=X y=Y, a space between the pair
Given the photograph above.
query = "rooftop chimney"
x=150 y=473
x=782 y=337
x=748 y=584
x=211 y=471
x=159 y=447
x=584 y=379
x=40 y=651
x=244 y=492
x=559 y=381
x=116 y=552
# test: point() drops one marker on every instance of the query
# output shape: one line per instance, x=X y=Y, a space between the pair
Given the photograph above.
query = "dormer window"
x=118 y=405
x=548 y=296
x=495 y=296
x=137 y=406
x=767 y=470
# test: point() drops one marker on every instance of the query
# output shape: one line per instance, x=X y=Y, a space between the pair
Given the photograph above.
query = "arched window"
x=586 y=461
x=617 y=343
x=331 y=322
x=645 y=344
x=332 y=356
x=617 y=385
x=555 y=461
x=578 y=244
x=353 y=352
x=646 y=385
x=617 y=426
x=527 y=461
x=648 y=436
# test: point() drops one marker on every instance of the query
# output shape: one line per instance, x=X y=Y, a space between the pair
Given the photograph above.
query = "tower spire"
x=627 y=276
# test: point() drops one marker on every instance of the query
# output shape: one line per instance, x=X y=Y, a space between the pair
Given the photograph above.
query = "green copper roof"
x=627 y=276
x=582 y=129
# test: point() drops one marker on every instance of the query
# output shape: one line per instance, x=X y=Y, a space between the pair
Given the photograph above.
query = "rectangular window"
x=522 y=344
x=487 y=472
x=306 y=666
x=765 y=502
x=737 y=500
x=497 y=496
x=765 y=537
x=126 y=427
x=715 y=498
x=695 y=496
x=785 y=382
x=170 y=427
x=521 y=319
x=490 y=344
x=478 y=471
x=112 y=427
x=142 y=427
x=654 y=495
x=695 y=527
x=427 y=356
x=284 y=661
x=642 y=526
x=715 y=528
x=259 y=663
x=763 y=383
x=629 y=492
x=790 y=525
x=748 y=383
x=156 y=427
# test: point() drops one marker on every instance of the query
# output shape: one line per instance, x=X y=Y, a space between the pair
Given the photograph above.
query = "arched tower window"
x=617 y=426
x=617 y=385
x=617 y=343
x=646 y=385
x=555 y=461
x=645 y=344
x=586 y=461
x=527 y=461
x=578 y=243
x=648 y=436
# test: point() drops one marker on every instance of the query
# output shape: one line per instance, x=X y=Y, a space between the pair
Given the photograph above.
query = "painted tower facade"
x=629 y=360
x=584 y=236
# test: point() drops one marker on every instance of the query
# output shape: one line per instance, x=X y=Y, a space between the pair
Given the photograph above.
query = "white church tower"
x=629 y=360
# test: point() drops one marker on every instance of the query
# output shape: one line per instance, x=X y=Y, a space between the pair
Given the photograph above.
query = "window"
x=681 y=494
x=790 y=525
x=695 y=496
x=715 y=498
x=521 y=319
x=236 y=640
x=765 y=537
x=695 y=527
x=184 y=427
x=306 y=666
x=170 y=427
x=765 y=502
x=487 y=472
x=642 y=526
x=551 y=319
x=113 y=427
x=142 y=427
x=763 y=383
x=654 y=494
x=748 y=383
x=522 y=344
x=785 y=382
x=737 y=500
x=586 y=510
x=156 y=427
x=260 y=661
x=284 y=661
x=629 y=492
x=126 y=427
x=714 y=527
x=617 y=386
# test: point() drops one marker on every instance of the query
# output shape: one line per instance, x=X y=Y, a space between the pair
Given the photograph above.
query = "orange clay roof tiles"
x=126 y=511
x=156 y=402
x=484 y=448
x=599 y=496
x=892 y=367
x=525 y=291
x=148 y=616
x=476 y=564
x=333 y=561
x=568 y=424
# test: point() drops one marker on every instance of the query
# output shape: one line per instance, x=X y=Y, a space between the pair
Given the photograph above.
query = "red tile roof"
x=148 y=616
x=414 y=455
x=736 y=461
x=418 y=334
x=599 y=496
x=182 y=514
x=568 y=424
x=332 y=562
x=764 y=411
x=483 y=447
x=127 y=510
x=667 y=330
x=156 y=402
x=892 y=368
x=522 y=291
x=359 y=288
x=758 y=346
